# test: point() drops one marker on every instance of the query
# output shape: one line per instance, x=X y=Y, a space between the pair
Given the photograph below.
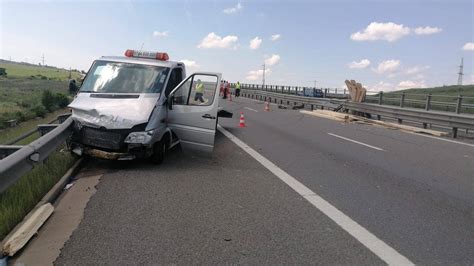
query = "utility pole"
x=43 y=60
x=70 y=73
x=315 y=84
x=460 y=72
x=263 y=77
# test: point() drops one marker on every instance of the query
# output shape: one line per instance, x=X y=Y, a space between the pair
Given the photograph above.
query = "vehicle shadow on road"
x=175 y=157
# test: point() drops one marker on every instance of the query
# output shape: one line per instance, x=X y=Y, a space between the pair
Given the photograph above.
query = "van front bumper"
x=136 y=152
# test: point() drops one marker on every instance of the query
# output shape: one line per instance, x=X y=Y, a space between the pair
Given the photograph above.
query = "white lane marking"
x=248 y=108
x=355 y=141
x=438 y=138
x=369 y=240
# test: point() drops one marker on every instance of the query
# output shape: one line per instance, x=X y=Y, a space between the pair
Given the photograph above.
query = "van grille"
x=101 y=138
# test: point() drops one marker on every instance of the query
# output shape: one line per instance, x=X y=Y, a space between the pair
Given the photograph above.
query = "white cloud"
x=257 y=74
x=272 y=60
x=381 y=86
x=160 y=33
x=416 y=69
x=388 y=66
x=427 y=30
x=234 y=9
x=255 y=43
x=472 y=79
x=408 y=84
x=189 y=63
x=275 y=37
x=359 y=65
x=469 y=46
x=213 y=40
x=381 y=31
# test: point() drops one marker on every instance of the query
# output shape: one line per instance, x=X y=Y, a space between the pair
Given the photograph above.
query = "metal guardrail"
x=445 y=119
x=296 y=90
x=457 y=104
x=24 y=158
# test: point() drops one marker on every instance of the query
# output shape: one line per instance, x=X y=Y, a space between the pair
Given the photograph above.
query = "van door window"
x=203 y=90
x=196 y=90
x=175 y=78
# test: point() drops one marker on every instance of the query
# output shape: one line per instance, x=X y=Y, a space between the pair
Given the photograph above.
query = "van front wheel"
x=159 y=151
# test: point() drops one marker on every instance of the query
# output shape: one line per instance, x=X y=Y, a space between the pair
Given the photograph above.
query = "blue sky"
x=385 y=45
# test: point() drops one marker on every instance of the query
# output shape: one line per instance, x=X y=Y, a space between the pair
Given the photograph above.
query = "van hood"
x=113 y=111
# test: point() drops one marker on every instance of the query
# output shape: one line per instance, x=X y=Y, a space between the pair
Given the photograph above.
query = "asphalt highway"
x=414 y=194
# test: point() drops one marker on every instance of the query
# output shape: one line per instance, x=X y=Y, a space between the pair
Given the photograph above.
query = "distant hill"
x=454 y=90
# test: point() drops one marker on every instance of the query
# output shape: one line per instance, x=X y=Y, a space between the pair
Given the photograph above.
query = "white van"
x=140 y=105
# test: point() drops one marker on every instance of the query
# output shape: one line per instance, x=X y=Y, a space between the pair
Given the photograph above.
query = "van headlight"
x=139 y=137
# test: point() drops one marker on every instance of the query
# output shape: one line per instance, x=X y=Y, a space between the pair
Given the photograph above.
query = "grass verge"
x=10 y=133
x=20 y=198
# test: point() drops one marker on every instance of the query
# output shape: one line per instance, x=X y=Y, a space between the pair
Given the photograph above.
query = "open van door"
x=192 y=111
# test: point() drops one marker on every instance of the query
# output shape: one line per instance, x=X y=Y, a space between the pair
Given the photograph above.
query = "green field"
x=22 y=89
x=455 y=90
x=24 y=70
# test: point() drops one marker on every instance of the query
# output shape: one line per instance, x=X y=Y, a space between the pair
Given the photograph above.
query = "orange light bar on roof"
x=144 y=54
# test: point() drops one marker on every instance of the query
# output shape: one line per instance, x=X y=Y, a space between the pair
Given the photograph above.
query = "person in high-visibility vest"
x=199 y=95
x=237 y=89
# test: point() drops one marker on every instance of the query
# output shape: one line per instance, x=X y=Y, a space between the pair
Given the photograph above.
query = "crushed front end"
x=111 y=144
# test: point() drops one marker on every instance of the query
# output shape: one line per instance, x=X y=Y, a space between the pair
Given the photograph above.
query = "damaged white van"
x=141 y=105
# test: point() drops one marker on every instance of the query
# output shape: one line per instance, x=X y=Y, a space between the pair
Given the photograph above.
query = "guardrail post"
x=380 y=98
x=459 y=104
x=402 y=100
x=428 y=102
x=455 y=132
x=43 y=129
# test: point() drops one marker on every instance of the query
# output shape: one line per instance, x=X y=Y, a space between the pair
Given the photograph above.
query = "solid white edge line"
x=355 y=141
x=366 y=238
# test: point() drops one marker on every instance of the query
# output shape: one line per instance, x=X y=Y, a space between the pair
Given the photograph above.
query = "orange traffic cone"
x=242 y=120
x=267 y=107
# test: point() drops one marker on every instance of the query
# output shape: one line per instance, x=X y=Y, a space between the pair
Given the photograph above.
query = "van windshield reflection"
x=116 y=77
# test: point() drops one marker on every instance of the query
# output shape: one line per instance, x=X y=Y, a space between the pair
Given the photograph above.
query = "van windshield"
x=116 y=77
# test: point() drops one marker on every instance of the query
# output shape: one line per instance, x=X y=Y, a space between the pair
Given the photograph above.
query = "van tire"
x=159 y=151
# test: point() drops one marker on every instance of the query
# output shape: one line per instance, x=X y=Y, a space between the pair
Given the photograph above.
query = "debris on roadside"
x=26 y=229
x=68 y=186
x=298 y=106
x=344 y=117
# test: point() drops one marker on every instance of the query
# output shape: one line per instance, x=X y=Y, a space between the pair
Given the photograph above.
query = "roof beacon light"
x=144 y=54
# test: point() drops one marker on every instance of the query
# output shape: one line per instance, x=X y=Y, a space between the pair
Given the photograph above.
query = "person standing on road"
x=221 y=90
x=200 y=92
x=237 y=89
x=225 y=90
x=72 y=87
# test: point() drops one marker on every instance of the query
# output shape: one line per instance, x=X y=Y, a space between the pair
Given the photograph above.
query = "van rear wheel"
x=159 y=150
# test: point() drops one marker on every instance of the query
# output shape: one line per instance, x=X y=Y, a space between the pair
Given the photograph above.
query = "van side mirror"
x=170 y=101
